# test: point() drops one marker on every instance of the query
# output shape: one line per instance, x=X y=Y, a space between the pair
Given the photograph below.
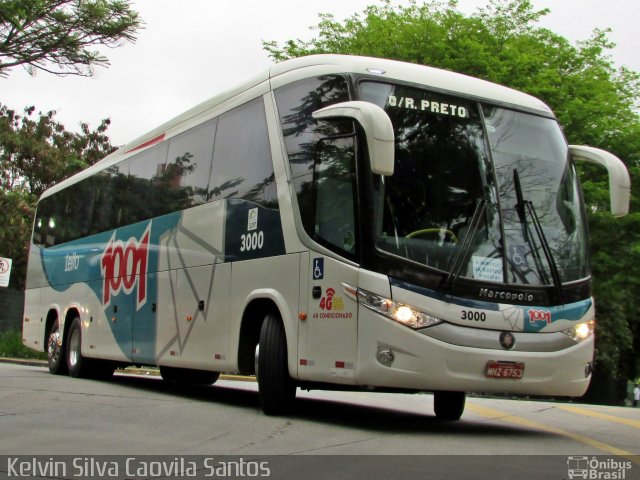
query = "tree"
x=35 y=153
x=56 y=35
x=595 y=102
x=16 y=217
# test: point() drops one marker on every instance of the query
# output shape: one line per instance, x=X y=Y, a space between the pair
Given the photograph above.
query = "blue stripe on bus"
x=123 y=299
x=535 y=318
x=133 y=320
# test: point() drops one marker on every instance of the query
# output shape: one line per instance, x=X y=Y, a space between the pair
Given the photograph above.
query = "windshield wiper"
x=463 y=252
x=522 y=208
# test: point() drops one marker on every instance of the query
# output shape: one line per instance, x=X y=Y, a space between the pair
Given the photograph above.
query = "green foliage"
x=16 y=217
x=615 y=256
x=35 y=153
x=55 y=35
x=595 y=102
x=11 y=347
x=35 y=150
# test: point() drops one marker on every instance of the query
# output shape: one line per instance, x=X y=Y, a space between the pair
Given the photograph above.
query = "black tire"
x=186 y=376
x=276 y=388
x=449 y=406
x=77 y=365
x=56 y=360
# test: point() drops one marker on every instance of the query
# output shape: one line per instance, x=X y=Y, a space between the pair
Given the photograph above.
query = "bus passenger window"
x=186 y=173
x=143 y=199
x=242 y=166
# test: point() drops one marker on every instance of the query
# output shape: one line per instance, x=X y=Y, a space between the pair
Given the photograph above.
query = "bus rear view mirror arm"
x=619 y=181
x=377 y=127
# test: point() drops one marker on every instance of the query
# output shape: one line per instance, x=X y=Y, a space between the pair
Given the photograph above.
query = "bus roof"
x=434 y=78
x=303 y=67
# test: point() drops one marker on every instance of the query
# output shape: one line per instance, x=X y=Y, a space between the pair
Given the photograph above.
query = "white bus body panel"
x=33 y=321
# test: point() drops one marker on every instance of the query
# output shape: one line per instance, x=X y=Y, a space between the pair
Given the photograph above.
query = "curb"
x=23 y=361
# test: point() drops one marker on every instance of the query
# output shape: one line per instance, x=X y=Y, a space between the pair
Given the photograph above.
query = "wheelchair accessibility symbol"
x=518 y=255
x=318 y=268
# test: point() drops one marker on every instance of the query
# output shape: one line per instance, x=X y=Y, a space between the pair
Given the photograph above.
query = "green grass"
x=11 y=347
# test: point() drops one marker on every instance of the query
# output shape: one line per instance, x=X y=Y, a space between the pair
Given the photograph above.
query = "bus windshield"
x=478 y=190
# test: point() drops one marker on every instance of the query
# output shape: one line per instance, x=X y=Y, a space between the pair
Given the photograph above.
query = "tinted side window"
x=42 y=219
x=47 y=221
x=165 y=178
x=186 y=173
x=242 y=166
x=322 y=160
x=105 y=208
x=142 y=199
x=79 y=209
x=296 y=103
x=328 y=213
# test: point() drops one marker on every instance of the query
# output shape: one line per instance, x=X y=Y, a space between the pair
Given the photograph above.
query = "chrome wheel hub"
x=53 y=346
x=74 y=348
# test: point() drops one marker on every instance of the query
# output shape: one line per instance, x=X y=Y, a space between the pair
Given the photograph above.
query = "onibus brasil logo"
x=595 y=468
x=124 y=266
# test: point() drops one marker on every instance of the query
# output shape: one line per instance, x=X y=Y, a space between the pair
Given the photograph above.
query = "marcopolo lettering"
x=505 y=295
x=124 y=265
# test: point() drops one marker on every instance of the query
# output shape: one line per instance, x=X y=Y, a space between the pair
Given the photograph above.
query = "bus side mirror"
x=619 y=181
x=377 y=127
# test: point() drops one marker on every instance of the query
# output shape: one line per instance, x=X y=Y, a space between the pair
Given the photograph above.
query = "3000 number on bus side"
x=251 y=241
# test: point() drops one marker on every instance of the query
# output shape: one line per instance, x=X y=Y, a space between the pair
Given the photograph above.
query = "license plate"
x=510 y=370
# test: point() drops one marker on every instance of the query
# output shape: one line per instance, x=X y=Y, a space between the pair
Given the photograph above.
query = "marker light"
x=581 y=331
x=399 y=312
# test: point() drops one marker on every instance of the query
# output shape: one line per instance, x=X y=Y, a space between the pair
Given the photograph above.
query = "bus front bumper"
x=456 y=358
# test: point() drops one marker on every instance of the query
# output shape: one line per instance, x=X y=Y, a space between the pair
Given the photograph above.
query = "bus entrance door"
x=328 y=338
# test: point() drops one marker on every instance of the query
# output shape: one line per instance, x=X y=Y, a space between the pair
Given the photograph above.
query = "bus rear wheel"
x=76 y=364
x=80 y=366
x=276 y=388
x=56 y=360
x=448 y=406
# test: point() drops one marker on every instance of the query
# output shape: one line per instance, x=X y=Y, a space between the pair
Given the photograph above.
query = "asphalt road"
x=42 y=414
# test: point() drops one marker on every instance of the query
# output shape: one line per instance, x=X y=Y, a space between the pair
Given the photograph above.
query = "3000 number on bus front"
x=473 y=316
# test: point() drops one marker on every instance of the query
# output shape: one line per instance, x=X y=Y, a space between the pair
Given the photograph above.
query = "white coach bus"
x=338 y=222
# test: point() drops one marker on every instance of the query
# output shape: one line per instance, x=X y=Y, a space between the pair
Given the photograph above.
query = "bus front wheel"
x=448 y=405
x=276 y=388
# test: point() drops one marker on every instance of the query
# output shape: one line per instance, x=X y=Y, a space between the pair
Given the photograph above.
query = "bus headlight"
x=581 y=331
x=400 y=312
